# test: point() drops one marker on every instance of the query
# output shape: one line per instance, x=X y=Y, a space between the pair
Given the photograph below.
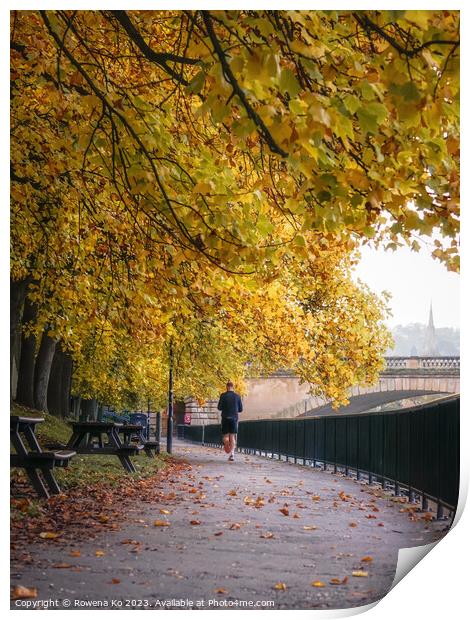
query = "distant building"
x=430 y=341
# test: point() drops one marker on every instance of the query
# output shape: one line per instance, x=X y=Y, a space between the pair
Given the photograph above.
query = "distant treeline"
x=410 y=340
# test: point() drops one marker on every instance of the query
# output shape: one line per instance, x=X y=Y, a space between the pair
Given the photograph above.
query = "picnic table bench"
x=135 y=432
x=87 y=438
x=38 y=464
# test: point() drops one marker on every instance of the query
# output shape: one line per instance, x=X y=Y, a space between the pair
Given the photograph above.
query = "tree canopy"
x=208 y=176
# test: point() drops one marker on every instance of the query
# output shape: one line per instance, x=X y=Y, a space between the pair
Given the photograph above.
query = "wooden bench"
x=38 y=464
x=135 y=432
x=151 y=445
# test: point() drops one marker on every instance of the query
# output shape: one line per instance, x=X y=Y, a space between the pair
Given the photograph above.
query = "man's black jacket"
x=230 y=404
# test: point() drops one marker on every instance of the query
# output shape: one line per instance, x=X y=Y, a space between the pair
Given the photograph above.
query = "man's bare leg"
x=233 y=443
x=227 y=442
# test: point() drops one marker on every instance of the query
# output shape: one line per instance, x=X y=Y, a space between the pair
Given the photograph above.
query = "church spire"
x=430 y=340
x=431 y=318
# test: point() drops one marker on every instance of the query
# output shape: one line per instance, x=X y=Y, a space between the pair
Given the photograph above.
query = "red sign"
x=187 y=418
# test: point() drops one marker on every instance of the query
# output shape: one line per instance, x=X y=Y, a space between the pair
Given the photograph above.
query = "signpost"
x=169 y=428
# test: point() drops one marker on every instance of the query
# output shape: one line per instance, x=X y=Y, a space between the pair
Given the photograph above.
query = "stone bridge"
x=281 y=394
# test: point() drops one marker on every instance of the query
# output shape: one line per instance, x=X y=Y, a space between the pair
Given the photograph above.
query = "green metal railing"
x=413 y=451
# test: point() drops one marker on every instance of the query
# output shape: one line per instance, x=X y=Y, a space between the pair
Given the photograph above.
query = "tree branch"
x=231 y=79
x=368 y=24
x=159 y=58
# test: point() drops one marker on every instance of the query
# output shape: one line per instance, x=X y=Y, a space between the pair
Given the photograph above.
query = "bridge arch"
x=365 y=402
x=281 y=395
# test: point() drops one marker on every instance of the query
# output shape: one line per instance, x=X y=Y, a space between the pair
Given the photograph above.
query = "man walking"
x=230 y=404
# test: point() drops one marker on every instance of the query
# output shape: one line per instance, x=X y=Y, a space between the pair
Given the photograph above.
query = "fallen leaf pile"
x=85 y=512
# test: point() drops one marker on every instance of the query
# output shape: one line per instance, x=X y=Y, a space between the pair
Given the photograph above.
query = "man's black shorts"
x=229 y=425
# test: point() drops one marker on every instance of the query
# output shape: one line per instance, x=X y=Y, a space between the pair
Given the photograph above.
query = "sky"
x=415 y=280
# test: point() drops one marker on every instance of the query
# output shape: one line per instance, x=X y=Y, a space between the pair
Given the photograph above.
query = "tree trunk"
x=58 y=390
x=25 y=386
x=76 y=403
x=89 y=410
x=54 y=389
x=17 y=297
x=42 y=371
x=67 y=367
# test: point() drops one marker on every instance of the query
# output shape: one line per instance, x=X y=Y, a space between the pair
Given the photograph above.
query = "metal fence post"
x=335 y=465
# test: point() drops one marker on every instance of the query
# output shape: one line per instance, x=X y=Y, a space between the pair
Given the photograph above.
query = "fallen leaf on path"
x=218 y=534
x=163 y=511
x=285 y=511
x=235 y=526
x=371 y=517
x=310 y=527
x=195 y=522
x=233 y=493
x=267 y=535
x=280 y=586
x=318 y=584
x=99 y=553
x=296 y=516
x=62 y=565
x=22 y=592
x=161 y=523
x=360 y=573
x=367 y=558
x=48 y=535
x=316 y=498
x=75 y=554
x=221 y=591
x=114 y=580
x=353 y=524
x=336 y=582
x=380 y=524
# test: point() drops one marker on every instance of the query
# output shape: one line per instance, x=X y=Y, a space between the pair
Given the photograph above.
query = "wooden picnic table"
x=29 y=455
x=87 y=438
x=135 y=432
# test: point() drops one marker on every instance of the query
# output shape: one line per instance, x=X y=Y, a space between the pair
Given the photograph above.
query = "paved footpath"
x=256 y=523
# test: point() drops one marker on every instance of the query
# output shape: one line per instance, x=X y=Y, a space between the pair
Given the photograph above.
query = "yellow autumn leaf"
x=280 y=586
x=49 y=535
